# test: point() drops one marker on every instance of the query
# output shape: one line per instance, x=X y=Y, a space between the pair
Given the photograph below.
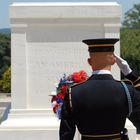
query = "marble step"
x=138 y=137
x=5 y=105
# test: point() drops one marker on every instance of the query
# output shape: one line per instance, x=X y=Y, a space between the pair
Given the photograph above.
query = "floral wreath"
x=61 y=89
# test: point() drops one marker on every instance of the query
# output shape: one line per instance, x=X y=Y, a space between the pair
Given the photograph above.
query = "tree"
x=130 y=47
x=5 y=49
x=5 y=83
x=130 y=38
x=132 y=17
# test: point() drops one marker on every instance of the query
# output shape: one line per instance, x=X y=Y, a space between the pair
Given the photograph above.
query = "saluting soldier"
x=99 y=106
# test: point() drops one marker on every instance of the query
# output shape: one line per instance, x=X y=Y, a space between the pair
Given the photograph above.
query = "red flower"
x=79 y=76
x=64 y=89
x=53 y=98
x=61 y=96
x=55 y=107
x=76 y=77
x=83 y=75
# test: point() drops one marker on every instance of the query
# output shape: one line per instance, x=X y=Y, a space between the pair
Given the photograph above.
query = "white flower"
x=54 y=103
x=53 y=93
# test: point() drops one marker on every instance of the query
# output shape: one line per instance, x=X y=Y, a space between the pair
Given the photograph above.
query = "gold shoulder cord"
x=70 y=99
x=136 y=80
x=138 y=85
x=126 y=80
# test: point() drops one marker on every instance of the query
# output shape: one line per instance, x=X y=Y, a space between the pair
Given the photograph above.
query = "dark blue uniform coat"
x=99 y=107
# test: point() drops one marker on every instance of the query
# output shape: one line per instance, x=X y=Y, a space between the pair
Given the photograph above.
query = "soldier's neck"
x=101 y=68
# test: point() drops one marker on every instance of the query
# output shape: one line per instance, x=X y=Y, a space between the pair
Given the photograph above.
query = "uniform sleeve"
x=67 y=125
x=135 y=79
x=135 y=116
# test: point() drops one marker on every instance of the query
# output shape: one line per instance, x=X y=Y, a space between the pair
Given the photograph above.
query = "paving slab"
x=5 y=105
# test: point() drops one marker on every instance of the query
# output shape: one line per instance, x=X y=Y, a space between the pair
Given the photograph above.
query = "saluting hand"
x=123 y=65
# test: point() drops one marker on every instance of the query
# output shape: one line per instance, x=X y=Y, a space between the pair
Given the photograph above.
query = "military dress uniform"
x=98 y=107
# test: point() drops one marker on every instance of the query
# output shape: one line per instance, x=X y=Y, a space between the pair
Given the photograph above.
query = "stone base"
x=131 y=130
x=39 y=125
x=138 y=137
x=31 y=125
x=28 y=134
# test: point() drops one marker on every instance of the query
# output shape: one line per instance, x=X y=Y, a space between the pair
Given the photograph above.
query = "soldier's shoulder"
x=126 y=81
x=137 y=83
x=78 y=84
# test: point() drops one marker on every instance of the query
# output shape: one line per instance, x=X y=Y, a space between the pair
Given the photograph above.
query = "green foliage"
x=5 y=49
x=132 y=17
x=130 y=47
x=5 y=83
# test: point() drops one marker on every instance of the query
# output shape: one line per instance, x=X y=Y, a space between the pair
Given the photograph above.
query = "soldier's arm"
x=135 y=116
x=128 y=73
x=135 y=79
x=67 y=125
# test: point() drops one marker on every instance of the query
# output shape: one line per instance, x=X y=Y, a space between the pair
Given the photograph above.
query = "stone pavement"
x=5 y=105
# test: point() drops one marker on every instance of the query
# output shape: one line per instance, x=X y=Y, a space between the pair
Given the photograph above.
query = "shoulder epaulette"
x=137 y=81
x=137 y=85
x=77 y=84
x=126 y=81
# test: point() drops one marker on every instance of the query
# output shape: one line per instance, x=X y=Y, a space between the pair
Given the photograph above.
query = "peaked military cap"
x=101 y=45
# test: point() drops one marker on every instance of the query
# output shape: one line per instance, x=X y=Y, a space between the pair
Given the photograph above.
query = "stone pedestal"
x=46 y=42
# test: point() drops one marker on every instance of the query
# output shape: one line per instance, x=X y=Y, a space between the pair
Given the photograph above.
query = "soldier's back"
x=99 y=105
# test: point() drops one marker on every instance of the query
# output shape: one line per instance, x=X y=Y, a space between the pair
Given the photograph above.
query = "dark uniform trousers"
x=98 y=107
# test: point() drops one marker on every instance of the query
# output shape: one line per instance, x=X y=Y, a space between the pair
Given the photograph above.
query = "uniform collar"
x=98 y=72
x=101 y=75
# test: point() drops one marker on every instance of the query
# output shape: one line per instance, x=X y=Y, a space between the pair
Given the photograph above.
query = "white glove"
x=123 y=65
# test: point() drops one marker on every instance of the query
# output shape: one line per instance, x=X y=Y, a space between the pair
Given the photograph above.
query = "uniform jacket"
x=97 y=106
